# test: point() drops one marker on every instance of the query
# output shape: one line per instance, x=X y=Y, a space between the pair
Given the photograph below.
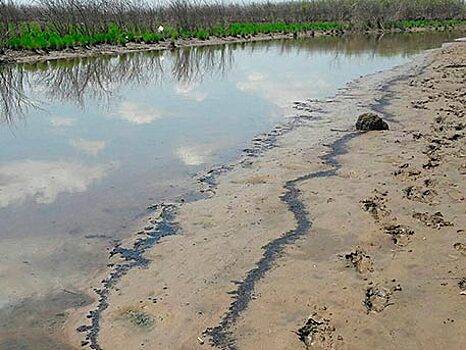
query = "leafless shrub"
x=13 y=100
x=75 y=80
x=95 y=15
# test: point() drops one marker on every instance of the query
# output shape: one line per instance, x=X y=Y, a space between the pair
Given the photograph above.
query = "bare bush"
x=94 y=16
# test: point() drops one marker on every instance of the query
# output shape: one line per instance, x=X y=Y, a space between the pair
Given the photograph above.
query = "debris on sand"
x=370 y=205
x=400 y=233
x=400 y=168
x=462 y=284
x=433 y=162
x=370 y=121
x=317 y=333
x=404 y=169
x=436 y=220
x=461 y=247
x=455 y=137
x=377 y=299
x=416 y=193
x=361 y=261
x=375 y=205
x=419 y=104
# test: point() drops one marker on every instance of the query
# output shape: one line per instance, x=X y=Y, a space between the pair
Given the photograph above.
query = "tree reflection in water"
x=74 y=80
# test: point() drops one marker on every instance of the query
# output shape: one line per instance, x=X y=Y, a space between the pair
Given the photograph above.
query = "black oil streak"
x=221 y=336
x=133 y=258
x=381 y=103
x=260 y=144
x=389 y=95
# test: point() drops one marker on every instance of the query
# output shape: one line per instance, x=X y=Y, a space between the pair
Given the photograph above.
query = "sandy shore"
x=320 y=237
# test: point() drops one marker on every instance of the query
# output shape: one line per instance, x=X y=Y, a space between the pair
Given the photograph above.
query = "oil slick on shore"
x=122 y=127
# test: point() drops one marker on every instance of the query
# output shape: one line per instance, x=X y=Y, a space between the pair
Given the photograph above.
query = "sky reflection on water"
x=87 y=144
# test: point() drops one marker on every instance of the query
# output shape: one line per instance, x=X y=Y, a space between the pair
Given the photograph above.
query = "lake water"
x=87 y=144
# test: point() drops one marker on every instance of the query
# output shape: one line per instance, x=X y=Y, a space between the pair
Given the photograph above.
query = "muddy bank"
x=262 y=260
x=31 y=56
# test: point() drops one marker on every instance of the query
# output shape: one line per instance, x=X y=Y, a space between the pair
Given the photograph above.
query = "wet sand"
x=324 y=238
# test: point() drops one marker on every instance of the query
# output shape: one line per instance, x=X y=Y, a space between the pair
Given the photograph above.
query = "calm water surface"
x=87 y=144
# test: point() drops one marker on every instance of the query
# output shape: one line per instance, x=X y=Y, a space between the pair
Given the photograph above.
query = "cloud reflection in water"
x=43 y=181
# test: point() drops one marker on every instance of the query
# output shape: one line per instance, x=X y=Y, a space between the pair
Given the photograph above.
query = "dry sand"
x=321 y=238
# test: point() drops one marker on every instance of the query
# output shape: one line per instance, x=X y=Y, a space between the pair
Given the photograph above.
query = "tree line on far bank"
x=55 y=24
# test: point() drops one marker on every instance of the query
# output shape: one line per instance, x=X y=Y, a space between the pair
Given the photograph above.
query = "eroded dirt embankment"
x=328 y=240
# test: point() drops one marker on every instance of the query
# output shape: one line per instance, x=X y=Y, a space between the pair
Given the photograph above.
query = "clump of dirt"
x=361 y=261
x=375 y=205
x=436 y=220
x=317 y=333
x=378 y=298
x=400 y=233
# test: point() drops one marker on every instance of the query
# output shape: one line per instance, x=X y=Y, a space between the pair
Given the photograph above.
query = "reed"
x=57 y=24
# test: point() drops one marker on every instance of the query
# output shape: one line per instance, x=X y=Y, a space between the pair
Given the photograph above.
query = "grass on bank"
x=34 y=36
x=58 y=24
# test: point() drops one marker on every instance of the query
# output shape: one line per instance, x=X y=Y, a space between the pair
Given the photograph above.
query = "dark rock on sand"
x=370 y=121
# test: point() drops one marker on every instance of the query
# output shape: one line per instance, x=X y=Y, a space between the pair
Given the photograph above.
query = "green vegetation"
x=58 y=24
x=32 y=36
